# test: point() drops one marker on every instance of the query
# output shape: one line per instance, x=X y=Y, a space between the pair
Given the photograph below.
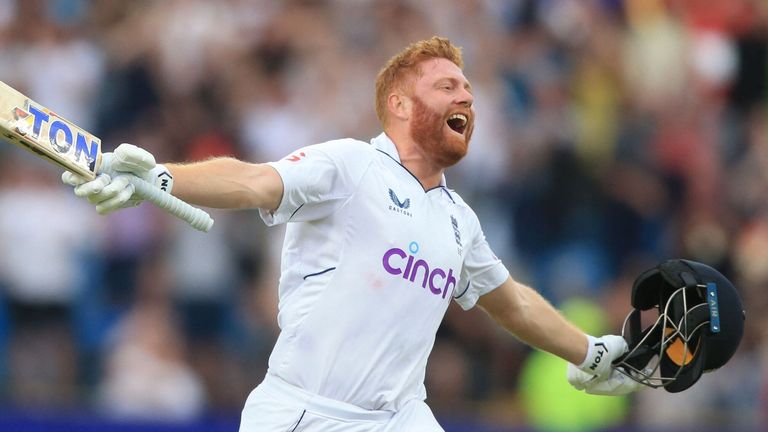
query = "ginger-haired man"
x=376 y=246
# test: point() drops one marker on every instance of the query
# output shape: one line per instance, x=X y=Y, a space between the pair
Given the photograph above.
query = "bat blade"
x=35 y=128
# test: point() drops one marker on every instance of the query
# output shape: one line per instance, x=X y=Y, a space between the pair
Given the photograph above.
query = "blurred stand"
x=147 y=374
x=611 y=134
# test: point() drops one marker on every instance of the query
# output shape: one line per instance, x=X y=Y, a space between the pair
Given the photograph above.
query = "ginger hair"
x=402 y=69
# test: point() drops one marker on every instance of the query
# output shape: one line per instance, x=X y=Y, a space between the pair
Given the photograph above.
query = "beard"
x=444 y=148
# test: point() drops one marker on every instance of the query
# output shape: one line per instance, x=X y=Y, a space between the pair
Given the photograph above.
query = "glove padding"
x=616 y=383
x=111 y=194
x=595 y=374
x=601 y=352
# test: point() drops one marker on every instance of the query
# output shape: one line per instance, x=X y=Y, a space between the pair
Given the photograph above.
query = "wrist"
x=593 y=361
x=161 y=178
x=585 y=363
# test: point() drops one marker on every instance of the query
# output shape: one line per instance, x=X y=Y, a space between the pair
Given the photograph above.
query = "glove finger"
x=616 y=384
x=92 y=187
x=617 y=346
x=105 y=210
x=578 y=378
x=129 y=158
x=116 y=202
x=118 y=184
x=72 y=179
x=109 y=191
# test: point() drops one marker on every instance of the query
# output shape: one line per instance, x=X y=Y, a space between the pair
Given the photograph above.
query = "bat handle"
x=194 y=216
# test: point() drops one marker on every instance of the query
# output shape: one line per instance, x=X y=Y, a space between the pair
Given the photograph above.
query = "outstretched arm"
x=227 y=183
x=219 y=183
x=531 y=318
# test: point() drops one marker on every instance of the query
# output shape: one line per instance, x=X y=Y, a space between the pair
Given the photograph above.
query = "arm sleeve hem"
x=279 y=216
x=482 y=284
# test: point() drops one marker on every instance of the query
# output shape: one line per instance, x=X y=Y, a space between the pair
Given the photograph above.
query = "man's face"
x=442 y=118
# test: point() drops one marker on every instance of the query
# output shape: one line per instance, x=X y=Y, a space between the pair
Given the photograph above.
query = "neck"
x=416 y=162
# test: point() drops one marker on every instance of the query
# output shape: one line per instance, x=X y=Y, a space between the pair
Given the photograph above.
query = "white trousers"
x=276 y=406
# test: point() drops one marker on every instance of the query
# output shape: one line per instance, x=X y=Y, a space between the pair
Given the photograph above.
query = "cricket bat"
x=31 y=126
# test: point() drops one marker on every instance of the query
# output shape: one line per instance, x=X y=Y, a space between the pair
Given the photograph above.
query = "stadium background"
x=611 y=135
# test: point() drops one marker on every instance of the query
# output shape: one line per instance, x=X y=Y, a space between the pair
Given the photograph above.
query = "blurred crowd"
x=611 y=135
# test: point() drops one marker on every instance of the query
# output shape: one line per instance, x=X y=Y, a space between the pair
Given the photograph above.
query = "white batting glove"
x=109 y=194
x=595 y=375
x=615 y=384
x=601 y=352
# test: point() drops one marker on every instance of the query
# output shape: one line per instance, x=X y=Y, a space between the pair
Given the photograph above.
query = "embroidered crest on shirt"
x=456 y=233
x=399 y=206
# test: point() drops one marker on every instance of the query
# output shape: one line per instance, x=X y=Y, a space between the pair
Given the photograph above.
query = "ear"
x=399 y=106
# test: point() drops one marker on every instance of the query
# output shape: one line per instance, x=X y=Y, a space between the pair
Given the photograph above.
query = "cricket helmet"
x=699 y=327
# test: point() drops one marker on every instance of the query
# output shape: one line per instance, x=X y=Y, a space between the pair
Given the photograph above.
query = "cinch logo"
x=397 y=262
x=399 y=206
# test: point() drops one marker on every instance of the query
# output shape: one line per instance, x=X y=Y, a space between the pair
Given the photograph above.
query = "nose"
x=464 y=98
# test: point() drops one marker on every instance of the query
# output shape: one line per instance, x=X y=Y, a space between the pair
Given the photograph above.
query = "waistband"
x=299 y=397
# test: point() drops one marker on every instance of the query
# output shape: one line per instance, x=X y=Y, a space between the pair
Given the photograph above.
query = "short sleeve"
x=481 y=273
x=317 y=181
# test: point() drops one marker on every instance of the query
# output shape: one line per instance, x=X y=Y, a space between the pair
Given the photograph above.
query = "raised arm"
x=227 y=183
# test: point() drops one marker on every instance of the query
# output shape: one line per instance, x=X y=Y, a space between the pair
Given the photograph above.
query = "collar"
x=385 y=145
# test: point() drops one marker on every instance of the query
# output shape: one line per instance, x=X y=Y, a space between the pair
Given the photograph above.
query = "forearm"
x=539 y=324
x=227 y=183
x=532 y=319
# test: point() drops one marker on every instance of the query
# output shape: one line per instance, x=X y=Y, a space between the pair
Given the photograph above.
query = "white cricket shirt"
x=369 y=265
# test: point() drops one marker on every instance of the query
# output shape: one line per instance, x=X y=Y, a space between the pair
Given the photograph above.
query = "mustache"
x=428 y=130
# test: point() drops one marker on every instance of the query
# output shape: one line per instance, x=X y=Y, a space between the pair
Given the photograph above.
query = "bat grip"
x=194 y=216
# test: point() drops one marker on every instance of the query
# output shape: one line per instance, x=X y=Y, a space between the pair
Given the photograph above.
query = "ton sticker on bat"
x=33 y=121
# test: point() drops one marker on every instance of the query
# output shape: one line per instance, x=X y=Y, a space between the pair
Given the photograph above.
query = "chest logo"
x=403 y=205
x=419 y=272
x=399 y=206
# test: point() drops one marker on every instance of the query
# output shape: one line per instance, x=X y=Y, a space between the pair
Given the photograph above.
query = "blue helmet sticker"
x=714 y=308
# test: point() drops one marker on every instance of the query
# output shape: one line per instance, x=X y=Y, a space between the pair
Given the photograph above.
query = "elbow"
x=517 y=311
x=510 y=305
x=263 y=188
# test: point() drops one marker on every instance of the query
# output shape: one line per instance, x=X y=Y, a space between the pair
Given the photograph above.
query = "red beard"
x=445 y=149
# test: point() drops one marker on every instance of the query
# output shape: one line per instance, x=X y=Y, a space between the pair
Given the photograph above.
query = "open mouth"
x=457 y=123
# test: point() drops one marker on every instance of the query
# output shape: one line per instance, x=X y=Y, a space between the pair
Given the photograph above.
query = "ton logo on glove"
x=598 y=357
